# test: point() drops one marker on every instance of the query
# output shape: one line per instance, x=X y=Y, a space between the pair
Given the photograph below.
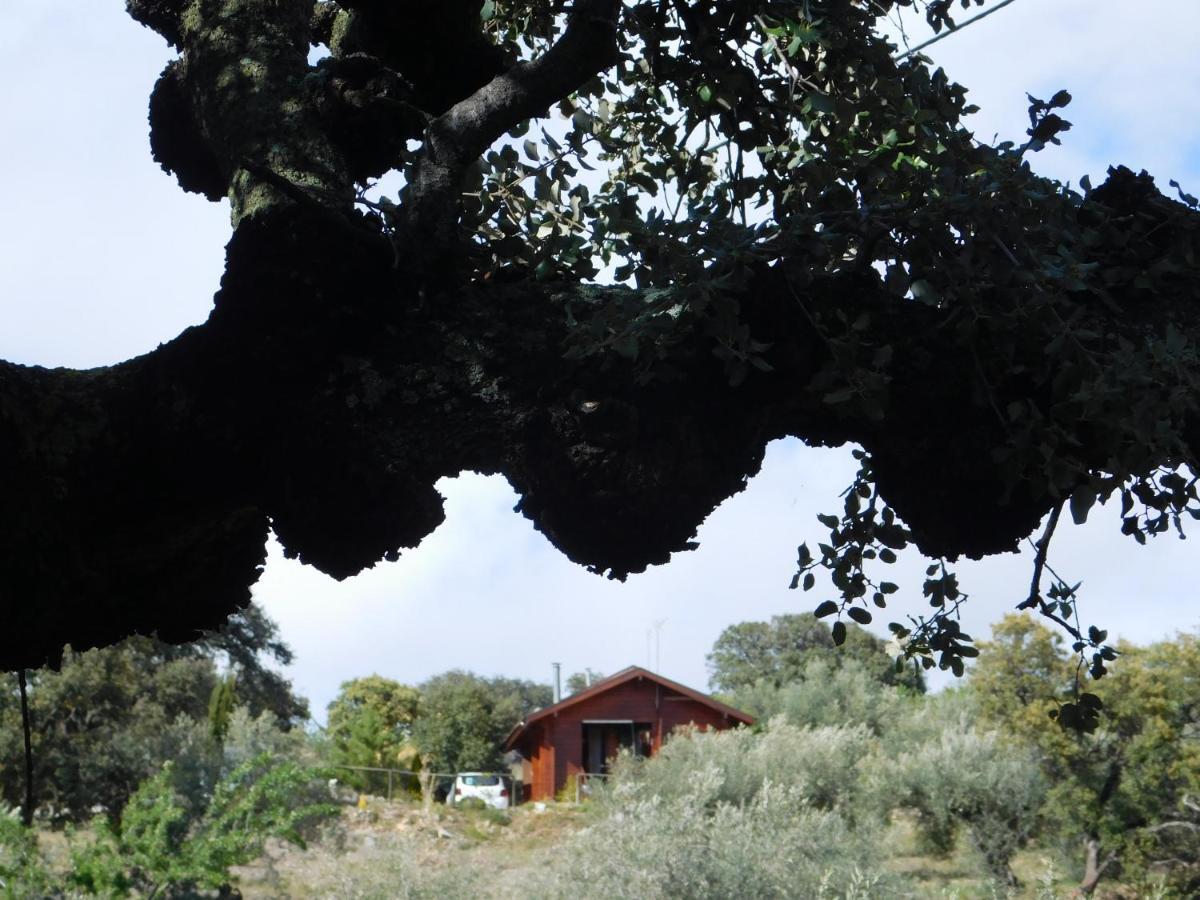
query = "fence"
x=390 y=783
x=382 y=782
x=585 y=782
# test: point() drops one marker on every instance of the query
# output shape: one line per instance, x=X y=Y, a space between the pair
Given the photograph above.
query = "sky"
x=103 y=258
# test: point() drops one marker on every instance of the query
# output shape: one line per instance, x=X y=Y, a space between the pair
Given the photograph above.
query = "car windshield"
x=480 y=780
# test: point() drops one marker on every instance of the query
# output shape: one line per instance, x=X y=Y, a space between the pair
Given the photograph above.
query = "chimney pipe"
x=557 y=681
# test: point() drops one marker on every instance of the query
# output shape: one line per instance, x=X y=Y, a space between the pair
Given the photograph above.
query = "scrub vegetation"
x=786 y=228
x=853 y=784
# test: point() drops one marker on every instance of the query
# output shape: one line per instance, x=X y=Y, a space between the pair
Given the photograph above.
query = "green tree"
x=826 y=693
x=221 y=704
x=515 y=698
x=370 y=723
x=1108 y=789
x=964 y=780
x=464 y=718
x=108 y=718
x=578 y=681
x=101 y=724
x=249 y=644
x=777 y=653
x=23 y=870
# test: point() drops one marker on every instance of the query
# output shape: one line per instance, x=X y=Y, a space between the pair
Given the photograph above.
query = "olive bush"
x=821 y=764
x=966 y=780
x=829 y=694
x=770 y=813
x=198 y=762
x=694 y=844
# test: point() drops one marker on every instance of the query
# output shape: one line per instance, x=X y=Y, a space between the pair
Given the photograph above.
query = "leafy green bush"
x=158 y=849
x=23 y=872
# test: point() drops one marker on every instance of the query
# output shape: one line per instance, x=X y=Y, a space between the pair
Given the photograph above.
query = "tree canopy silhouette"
x=804 y=239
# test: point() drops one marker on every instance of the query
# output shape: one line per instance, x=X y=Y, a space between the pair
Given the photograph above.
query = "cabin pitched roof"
x=606 y=684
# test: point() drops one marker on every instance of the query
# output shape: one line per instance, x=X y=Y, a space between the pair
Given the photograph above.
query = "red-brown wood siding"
x=554 y=745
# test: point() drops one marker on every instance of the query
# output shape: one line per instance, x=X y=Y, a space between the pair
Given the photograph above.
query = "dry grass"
x=391 y=850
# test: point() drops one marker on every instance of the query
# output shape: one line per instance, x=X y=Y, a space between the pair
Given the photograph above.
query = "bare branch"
x=1174 y=823
x=1039 y=563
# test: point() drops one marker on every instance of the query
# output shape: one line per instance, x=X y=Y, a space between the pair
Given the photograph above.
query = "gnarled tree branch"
x=456 y=138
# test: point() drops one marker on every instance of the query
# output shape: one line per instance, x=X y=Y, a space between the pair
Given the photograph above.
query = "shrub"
x=695 y=845
x=159 y=847
x=389 y=869
x=966 y=779
x=23 y=872
x=820 y=763
x=732 y=813
x=827 y=694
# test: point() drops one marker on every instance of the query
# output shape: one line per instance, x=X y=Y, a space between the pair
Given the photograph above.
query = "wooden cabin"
x=634 y=709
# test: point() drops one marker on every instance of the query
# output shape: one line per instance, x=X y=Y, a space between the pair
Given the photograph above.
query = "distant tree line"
x=776 y=653
x=108 y=718
x=453 y=722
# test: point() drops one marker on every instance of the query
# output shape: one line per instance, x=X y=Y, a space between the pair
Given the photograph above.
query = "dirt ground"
x=393 y=850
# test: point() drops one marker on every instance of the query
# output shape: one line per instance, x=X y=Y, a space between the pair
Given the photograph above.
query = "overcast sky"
x=102 y=258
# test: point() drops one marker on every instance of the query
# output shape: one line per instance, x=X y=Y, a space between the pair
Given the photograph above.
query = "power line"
x=945 y=34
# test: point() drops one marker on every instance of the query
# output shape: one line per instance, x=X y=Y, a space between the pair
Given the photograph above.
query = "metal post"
x=389 y=785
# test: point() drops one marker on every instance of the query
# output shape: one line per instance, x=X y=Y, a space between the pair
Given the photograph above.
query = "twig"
x=1039 y=565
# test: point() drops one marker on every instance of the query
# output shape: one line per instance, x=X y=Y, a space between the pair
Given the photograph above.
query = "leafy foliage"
x=927 y=761
x=465 y=718
x=158 y=848
x=249 y=644
x=694 y=845
x=23 y=871
x=107 y=719
x=735 y=136
x=826 y=694
x=970 y=780
x=221 y=705
x=779 y=651
x=577 y=681
x=370 y=723
x=1136 y=768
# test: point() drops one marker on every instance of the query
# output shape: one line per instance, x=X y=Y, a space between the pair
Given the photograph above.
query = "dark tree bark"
x=27 y=809
x=344 y=370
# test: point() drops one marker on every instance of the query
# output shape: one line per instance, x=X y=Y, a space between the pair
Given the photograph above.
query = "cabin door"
x=603 y=740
